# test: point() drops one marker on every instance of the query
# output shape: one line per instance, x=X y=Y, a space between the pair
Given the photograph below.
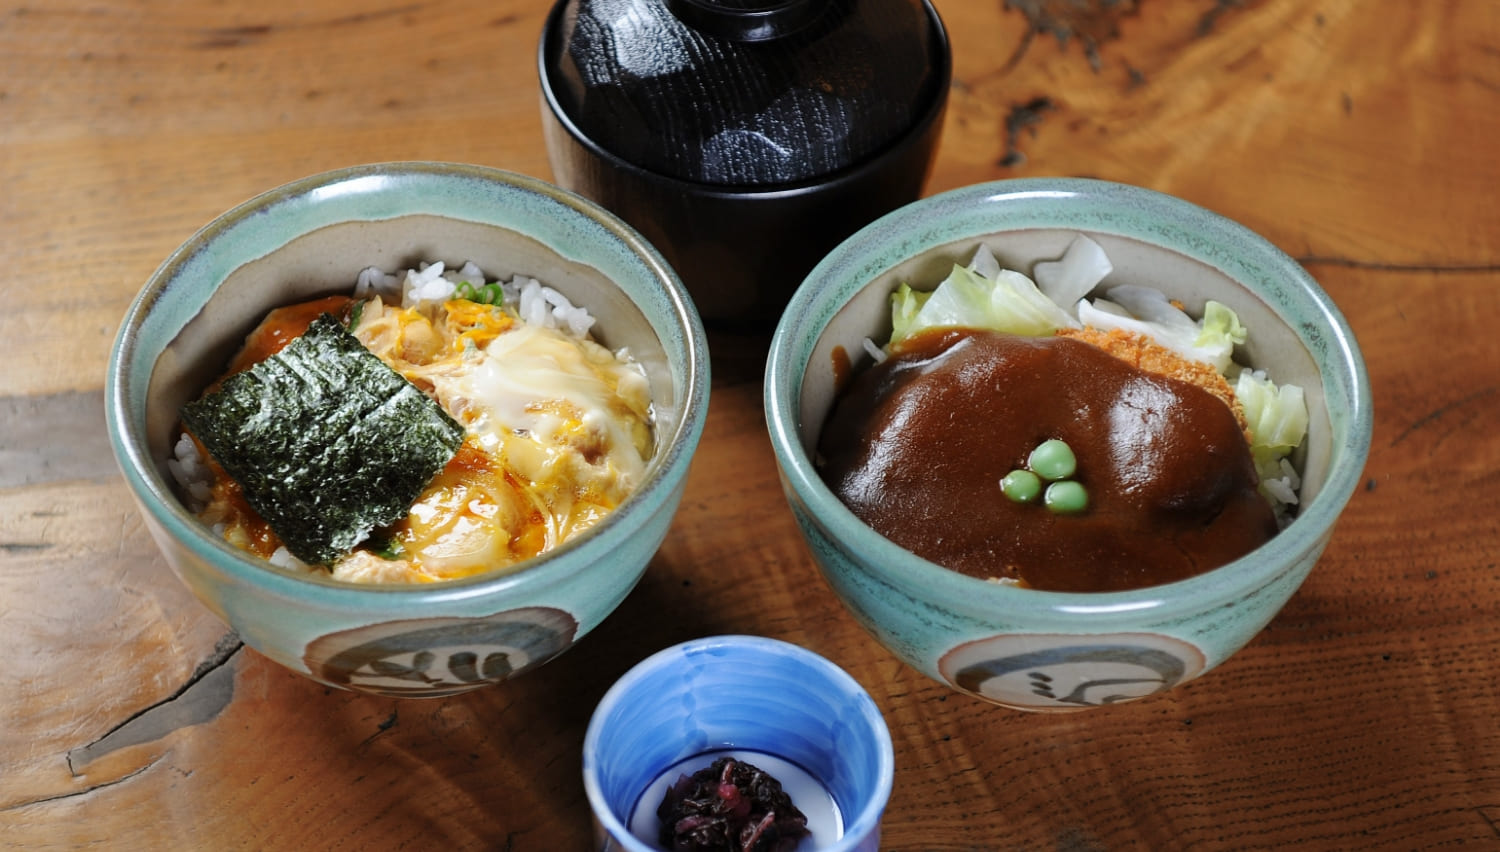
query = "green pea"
x=1052 y=460
x=1022 y=486
x=1066 y=497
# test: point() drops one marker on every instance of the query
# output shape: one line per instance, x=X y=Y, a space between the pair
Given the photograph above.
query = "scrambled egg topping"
x=558 y=435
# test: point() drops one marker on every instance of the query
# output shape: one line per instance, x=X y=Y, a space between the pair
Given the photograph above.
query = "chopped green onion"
x=389 y=549
x=487 y=294
x=356 y=313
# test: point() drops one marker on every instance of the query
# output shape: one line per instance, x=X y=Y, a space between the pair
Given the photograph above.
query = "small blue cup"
x=742 y=694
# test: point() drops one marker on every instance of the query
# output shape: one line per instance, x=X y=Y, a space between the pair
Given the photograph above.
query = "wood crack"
x=1091 y=22
x=1022 y=117
x=1379 y=266
x=390 y=722
x=205 y=693
x=1210 y=19
x=1440 y=413
x=1493 y=821
x=72 y=794
x=239 y=36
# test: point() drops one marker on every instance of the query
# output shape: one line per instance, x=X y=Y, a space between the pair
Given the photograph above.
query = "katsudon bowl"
x=312 y=238
x=1048 y=650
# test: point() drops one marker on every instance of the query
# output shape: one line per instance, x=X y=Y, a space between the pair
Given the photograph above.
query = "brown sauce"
x=918 y=445
x=281 y=326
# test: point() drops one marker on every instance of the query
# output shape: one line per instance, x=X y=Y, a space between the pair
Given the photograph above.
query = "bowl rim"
x=850 y=174
x=858 y=826
x=391 y=180
x=1110 y=208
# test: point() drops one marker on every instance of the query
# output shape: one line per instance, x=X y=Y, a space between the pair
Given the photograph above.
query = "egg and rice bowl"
x=556 y=429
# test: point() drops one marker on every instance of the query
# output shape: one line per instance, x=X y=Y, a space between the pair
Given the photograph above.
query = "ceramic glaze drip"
x=682 y=101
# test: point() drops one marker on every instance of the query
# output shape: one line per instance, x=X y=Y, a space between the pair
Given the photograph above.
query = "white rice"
x=534 y=302
x=1283 y=489
x=192 y=475
x=283 y=558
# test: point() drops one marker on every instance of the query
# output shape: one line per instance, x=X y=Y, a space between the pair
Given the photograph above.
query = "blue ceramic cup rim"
x=373 y=192
x=857 y=826
x=1081 y=205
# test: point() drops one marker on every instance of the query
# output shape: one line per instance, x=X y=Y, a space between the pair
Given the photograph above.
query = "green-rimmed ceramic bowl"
x=1040 y=650
x=311 y=238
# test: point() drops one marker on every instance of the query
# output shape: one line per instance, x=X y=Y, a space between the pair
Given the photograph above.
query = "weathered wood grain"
x=1357 y=136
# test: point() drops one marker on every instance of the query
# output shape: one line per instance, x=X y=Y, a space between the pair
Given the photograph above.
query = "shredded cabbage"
x=1221 y=327
x=985 y=263
x=905 y=304
x=1070 y=278
x=1009 y=302
x=1278 y=422
x=1147 y=311
x=1277 y=415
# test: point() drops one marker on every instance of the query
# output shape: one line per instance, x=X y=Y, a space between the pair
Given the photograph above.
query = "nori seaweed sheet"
x=326 y=440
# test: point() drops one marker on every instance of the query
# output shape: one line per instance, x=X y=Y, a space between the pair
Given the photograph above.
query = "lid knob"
x=747 y=20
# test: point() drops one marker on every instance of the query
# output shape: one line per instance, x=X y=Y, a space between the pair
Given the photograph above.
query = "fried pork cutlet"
x=1146 y=354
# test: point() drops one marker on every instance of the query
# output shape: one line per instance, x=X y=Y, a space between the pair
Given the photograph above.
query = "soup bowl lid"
x=743 y=92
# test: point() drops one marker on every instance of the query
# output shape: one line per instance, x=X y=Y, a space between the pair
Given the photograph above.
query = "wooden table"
x=1356 y=136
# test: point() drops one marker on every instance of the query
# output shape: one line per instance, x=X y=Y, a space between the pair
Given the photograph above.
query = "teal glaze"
x=523 y=618
x=924 y=613
x=740 y=692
